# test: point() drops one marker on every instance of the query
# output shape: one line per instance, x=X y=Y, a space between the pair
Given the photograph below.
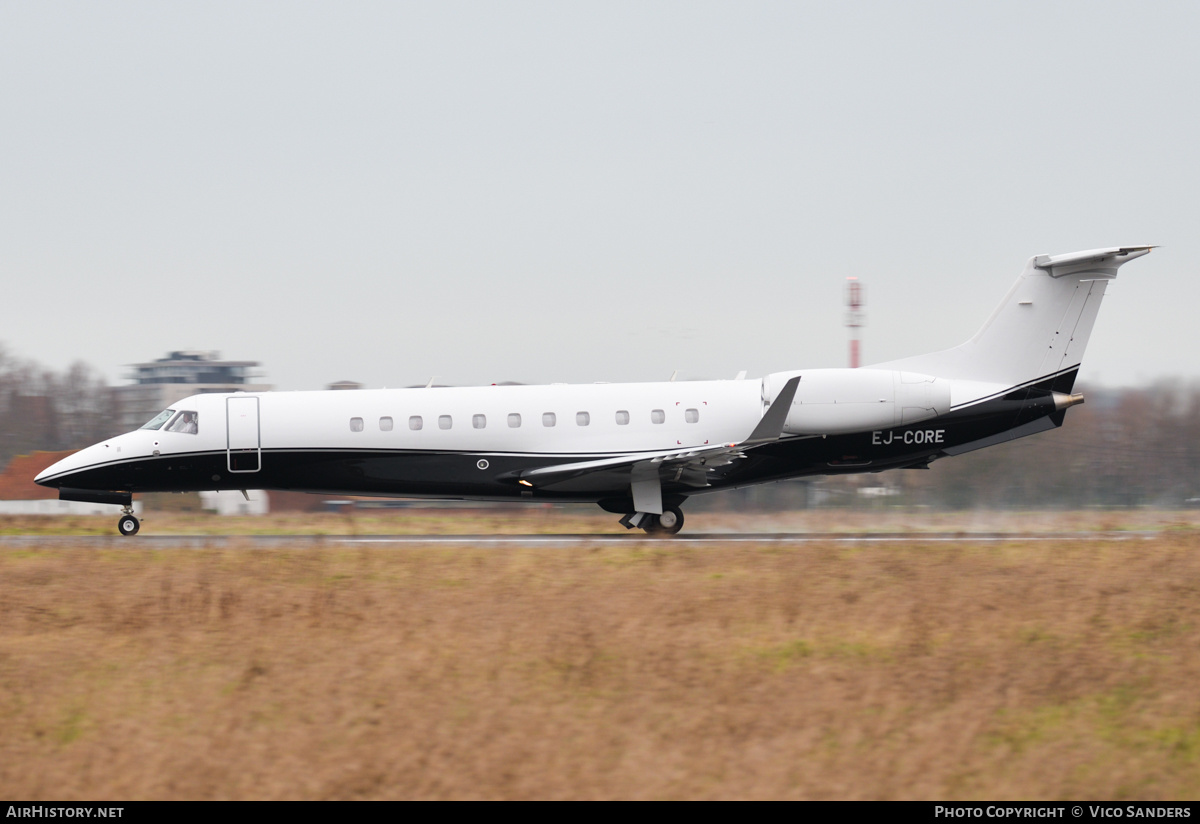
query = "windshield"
x=160 y=419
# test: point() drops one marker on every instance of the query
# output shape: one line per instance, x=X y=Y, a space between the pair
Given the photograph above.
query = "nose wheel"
x=128 y=525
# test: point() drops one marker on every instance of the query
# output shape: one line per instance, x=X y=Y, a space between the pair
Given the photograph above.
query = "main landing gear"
x=668 y=523
x=128 y=525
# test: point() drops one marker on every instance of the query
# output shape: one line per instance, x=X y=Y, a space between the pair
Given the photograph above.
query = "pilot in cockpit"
x=187 y=424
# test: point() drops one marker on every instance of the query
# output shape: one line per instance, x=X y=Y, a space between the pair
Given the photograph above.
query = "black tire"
x=128 y=525
x=671 y=521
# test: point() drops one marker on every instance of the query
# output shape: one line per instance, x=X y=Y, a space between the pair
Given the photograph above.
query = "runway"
x=158 y=542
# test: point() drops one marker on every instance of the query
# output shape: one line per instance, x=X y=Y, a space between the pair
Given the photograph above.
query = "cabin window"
x=514 y=420
x=415 y=422
x=548 y=419
x=622 y=417
x=691 y=415
x=186 y=422
x=582 y=419
x=356 y=424
x=159 y=419
x=445 y=421
x=385 y=424
x=657 y=416
x=479 y=421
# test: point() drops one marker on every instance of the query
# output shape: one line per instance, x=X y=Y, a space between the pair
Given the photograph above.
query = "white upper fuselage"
x=330 y=420
x=482 y=419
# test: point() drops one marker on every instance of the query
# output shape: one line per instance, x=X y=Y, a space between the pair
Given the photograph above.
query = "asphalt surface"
x=151 y=541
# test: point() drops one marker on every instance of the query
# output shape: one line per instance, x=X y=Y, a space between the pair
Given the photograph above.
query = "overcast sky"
x=574 y=191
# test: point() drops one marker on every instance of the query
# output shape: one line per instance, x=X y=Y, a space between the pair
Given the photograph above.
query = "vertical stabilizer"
x=1040 y=329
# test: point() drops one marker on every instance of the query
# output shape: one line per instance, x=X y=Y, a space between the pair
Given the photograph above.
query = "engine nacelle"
x=838 y=401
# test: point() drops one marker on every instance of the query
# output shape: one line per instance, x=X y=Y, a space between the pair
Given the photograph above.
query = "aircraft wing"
x=681 y=460
x=687 y=466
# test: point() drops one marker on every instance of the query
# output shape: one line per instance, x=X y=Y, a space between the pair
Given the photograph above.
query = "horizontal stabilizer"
x=1100 y=261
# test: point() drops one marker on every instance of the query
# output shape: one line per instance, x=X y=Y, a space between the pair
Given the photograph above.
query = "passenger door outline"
x=243 y=444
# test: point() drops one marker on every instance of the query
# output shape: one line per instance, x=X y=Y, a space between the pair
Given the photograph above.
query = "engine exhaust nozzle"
x=1064 y=401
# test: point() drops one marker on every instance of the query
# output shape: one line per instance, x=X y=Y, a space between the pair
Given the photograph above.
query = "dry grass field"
x=919 y=669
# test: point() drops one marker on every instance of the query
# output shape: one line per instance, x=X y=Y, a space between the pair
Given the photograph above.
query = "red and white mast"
x=855 y=316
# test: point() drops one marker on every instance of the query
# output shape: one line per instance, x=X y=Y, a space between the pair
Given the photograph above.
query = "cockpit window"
x=186 y=422
x=159 y=419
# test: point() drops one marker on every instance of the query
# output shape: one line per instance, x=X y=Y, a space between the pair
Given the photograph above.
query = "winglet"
x=771 y=426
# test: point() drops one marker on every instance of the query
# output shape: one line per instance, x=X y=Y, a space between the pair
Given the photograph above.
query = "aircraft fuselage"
x=474 y=442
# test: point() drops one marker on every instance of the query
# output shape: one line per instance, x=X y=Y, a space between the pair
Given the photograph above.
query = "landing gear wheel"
x=671 y=521
x=668 y=523
x=128 y=525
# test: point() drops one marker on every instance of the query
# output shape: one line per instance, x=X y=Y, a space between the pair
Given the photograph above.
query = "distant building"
x=159 y=384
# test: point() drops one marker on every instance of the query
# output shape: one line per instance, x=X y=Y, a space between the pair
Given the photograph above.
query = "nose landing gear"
x=128 y=525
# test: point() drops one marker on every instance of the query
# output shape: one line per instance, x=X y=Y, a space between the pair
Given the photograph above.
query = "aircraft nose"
x=57 y=474
x=44 y=477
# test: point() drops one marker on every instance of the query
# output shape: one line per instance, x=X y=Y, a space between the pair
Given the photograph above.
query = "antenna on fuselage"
x=430 y=384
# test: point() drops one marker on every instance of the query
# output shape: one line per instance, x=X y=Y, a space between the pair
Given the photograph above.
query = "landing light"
x=525 y=482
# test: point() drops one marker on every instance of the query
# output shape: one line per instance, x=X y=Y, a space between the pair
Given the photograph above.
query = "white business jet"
x=639 y=449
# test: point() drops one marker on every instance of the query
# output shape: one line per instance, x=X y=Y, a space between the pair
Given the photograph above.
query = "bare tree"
x=42 y=410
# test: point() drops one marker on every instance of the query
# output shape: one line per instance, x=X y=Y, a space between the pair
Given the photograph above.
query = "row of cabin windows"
x=415 y=422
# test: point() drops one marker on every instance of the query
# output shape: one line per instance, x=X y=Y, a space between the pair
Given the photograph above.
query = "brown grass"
x=903 y=670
